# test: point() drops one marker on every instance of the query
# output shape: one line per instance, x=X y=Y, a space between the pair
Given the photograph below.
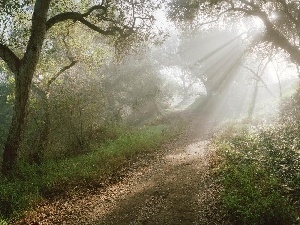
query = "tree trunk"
x=36 y=156
x=12 y=145
x=23 y=79
x=253 y=102
x=44 y=137
x=273 y=35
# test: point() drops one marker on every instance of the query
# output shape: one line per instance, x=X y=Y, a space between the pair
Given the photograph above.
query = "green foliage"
x=3 y=222
x=54 y=177
x=183 y=10
x=260 y=175
x=290 y=108
x=105 y=159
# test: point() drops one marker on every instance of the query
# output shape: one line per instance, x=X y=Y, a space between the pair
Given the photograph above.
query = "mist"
x=149 y=112
x=220 y=73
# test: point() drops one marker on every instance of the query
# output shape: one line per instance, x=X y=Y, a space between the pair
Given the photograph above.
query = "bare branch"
x=68 y=53
x=45 y=92
x=62 y=70
x=10 y=58
x=259 y=78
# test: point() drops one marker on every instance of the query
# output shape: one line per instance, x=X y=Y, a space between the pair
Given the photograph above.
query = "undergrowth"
x=37 y=182
x=3 y=222
x=259 y=173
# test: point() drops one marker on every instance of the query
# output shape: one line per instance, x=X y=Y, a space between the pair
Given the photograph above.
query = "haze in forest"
x=133 y=64
x=88 y=87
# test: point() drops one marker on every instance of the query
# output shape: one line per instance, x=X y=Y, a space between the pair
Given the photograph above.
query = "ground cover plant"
x=37 y=182
x=259 y=172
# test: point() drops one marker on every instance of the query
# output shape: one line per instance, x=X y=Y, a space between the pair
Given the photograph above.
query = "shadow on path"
x=169 y=193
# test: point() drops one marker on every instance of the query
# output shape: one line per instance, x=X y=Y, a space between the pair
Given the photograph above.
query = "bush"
x=260 y=175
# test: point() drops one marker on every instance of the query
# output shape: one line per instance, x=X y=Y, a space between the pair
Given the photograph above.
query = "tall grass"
x=33 y=183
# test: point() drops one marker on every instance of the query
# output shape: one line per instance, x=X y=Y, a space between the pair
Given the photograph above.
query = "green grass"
x=34 y=183
x=260 y=175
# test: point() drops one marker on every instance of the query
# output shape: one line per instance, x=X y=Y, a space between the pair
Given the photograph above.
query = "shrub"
x=260 y=175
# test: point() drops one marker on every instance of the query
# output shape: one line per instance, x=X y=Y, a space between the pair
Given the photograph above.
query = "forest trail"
x=174 y=188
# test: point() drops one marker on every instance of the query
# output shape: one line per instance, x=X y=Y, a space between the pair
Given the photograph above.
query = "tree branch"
x=273 y=35
x=214 y=20
x=93 y=8
x=290 y=16
x=62 y=70
x=259 y=78
x=10 y=58
x=36 y=39
x=76 y=16
x=45 y=93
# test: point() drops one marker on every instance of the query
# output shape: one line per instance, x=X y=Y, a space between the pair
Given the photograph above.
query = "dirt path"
x=173 y=189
